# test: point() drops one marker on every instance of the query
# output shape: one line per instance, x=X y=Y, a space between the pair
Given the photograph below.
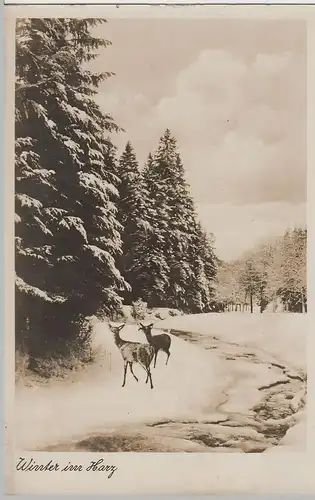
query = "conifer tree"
x=155 y=269
x=67 y=233
x=184 y=245
x=133 y=210
x=204 y=266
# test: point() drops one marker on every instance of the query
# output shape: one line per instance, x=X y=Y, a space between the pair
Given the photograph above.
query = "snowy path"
x=234 y=398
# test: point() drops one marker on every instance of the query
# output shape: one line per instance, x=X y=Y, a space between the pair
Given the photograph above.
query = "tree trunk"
x=251 y=301
x=302 y=302
x=261 y=301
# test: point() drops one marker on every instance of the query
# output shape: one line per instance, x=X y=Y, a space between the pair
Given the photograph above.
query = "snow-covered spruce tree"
x=133 y=215
x=204 y=264
x=187 y=282
x=111 y=166
x=153 y=273
x=67 y=233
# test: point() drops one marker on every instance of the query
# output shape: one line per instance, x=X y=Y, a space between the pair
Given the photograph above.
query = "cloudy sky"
x=234 y=95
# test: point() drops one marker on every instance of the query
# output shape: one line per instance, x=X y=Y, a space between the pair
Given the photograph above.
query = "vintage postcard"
x=159 y=217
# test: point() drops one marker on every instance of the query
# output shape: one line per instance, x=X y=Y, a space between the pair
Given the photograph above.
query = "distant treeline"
x=268 y=275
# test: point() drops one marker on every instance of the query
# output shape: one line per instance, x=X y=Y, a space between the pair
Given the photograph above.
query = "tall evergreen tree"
x=181 y=235
x=67 y=233
x=203 y=263
x=155 y=269
x=133 y=210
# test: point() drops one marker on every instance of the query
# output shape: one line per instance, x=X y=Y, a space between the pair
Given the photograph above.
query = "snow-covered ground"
x=96 y=398
x=209 y=388
x=282 y=334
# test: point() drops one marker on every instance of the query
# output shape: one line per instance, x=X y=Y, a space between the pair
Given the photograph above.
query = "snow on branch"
x=22 y=87
x=24 y=141
x=42 y=226
x=98 y=187
x=54 y=213
x=39 y=174
x=33 y=291
x=38 y=253
x=104 y=257
x=67 y=258
x=76 y=223
x=75 y=113
x=39 y=109
x=28 y=201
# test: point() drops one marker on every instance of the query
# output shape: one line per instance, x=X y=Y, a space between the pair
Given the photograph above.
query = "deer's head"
x=146 y=329
x=115 y=328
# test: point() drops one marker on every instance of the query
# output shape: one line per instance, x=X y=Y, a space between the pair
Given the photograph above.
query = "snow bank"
x=190 y=384
x=155 y=314
x=295 y=438
x=282 y=335
x=247 y=379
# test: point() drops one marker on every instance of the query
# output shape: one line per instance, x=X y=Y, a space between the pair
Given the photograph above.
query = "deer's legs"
x=155 y=356
x=125 y=372
x=150 y=377
x=168 y=355
x=130 y=365
x=145 y=369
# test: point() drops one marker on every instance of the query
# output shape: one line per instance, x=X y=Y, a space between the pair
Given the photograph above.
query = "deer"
x=161 y=342
x=133 y=352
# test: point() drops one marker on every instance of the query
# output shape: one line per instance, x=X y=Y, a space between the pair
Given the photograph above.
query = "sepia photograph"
x=160 y=178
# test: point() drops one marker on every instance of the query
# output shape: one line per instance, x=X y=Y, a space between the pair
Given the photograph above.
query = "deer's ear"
x=121 y=327
x=150 y=325
x=141 y=326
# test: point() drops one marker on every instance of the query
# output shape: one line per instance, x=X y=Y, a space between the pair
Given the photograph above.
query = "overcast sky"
x=233 y=94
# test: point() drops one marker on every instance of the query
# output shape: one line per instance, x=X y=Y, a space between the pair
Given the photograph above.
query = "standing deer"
x=161 y=342
x=133 y=352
